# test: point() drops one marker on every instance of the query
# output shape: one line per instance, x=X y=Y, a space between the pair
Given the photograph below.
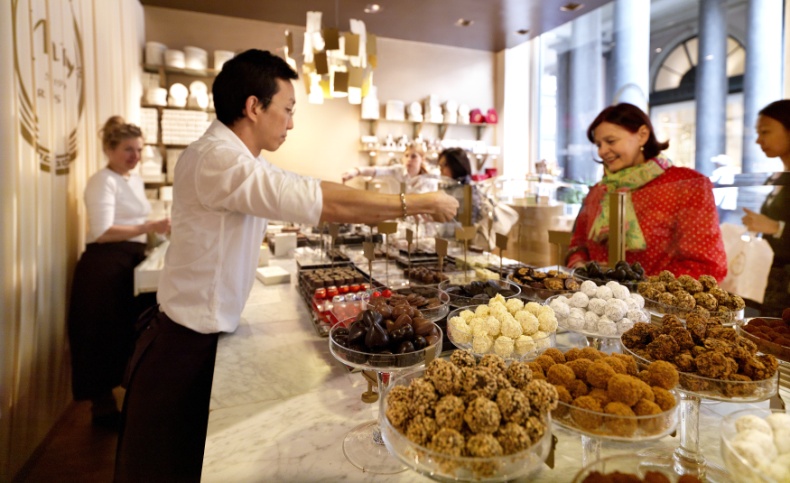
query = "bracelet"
x=403 y=205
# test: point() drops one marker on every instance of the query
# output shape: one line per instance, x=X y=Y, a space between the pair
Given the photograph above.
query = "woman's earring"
x=641 y=148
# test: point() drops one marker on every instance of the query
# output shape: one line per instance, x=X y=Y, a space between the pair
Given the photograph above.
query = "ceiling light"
x=372 y=8
x=658 y=50
x=522 y=31
x=462 y=22
x=571 y=7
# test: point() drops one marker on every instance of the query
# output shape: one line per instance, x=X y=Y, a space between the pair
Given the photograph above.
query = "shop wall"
x=325 y=139
x=64 y=68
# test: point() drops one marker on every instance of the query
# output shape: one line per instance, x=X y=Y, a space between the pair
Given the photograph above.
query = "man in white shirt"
x=224 y=192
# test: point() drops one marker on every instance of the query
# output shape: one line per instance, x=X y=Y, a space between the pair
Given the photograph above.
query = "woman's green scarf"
x=627 y=179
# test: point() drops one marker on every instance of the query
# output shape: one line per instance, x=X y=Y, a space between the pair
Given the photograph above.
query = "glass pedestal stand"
x=591 y=449
x=363 y=446
x=687 y=457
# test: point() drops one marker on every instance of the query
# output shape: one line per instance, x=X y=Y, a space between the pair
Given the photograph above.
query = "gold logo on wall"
x=48 y=70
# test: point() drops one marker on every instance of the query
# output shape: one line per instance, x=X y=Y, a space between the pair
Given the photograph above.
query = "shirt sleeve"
x=100 y=204
x=577 y=249
x=233 y=182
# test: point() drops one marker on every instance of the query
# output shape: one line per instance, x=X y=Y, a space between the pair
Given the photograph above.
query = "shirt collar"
x=220 y=130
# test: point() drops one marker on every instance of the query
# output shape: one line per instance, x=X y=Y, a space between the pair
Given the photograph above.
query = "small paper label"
x=409 y=236
x=465 y=233
x=369 y=251
x=441 y=247
x=501 y=241
x=387 y=227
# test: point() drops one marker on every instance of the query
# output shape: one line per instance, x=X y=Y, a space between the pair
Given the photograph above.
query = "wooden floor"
x=74 y=451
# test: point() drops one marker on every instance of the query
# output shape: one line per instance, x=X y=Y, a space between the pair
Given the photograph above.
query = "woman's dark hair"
x=778 y=110
x=630 y=118
x=251 y=73
x=458 y=162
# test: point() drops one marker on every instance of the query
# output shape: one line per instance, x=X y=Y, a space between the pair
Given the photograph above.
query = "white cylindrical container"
x=156 y=96
x=155 y=53
x=174 y=58
x=196 y=58
x=220 y=57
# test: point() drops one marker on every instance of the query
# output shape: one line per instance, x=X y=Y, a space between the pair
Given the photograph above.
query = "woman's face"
x=618 y=147
x=125 y=156
x=444 y=169
x=413 y=161
x=773 y=138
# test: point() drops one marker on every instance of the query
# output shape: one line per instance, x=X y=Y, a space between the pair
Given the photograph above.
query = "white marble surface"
x=281 y=404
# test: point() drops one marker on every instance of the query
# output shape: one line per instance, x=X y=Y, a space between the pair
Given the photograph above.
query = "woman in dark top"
x=773 y=136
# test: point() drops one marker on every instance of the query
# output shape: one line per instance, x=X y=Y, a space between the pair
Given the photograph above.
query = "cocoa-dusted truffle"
x=662 y=374
x=584 y=412
x=449 y=412
x=648 y=408
x=561 y=375
x=663 y=398
x=555 y=354
x=580 y=367
x=482 y=416
x=599 y=373
x=621 y=421
x=625 y=389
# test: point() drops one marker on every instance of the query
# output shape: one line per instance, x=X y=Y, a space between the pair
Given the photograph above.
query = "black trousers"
x=165 y=410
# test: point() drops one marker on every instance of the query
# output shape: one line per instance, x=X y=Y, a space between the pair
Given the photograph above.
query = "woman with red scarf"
x=671 y=216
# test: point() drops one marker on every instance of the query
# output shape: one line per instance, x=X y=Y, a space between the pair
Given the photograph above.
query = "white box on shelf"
x=284 y=244
x=272 y=275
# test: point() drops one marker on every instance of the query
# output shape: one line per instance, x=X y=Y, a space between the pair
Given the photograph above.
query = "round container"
x=563 y=323
x=371 y=361
x=156 y=96
x=780 y=351
x=443 y=467
x=155 y=53
x=196 y=58
x=529 y=351
x=740 y=467
x=633 y=464
x=178 y=95
x=175 y=58
x=487 y=290
x=222 y=56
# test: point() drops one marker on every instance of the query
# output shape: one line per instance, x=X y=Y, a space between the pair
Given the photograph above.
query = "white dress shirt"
x=222 y=198
x=112 y=199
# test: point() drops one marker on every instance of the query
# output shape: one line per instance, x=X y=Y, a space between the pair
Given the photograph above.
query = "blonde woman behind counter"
x=413 y=171
x=103 y=307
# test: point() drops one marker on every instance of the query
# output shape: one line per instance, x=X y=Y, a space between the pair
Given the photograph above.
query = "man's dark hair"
x=250 y=73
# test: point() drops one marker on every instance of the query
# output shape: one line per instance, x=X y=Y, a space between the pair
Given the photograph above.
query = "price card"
x=370 y=253
x=441 y=251
x=409 y=236
x=501 y=243
x=465 y=233
x=334 y=231
x=387 y=227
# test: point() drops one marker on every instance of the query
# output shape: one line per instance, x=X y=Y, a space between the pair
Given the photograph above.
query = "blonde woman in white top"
x=412 y=171
x=103 y=308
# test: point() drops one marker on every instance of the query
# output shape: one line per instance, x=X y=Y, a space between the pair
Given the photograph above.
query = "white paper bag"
x=748 y=262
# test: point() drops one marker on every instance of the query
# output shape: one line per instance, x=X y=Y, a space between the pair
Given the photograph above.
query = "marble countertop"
x=281 y=404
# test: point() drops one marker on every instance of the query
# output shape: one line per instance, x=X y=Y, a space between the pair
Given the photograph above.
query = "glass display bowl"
x=781 y=352
x=538 y=292
x=563 y=323
x=616 y=427
x=740 y=467
x=444 y=467
x=460 y=299
x=464 y=341
x=583 y=276
x=657 y=310
x=435 y=311
x=633 y=464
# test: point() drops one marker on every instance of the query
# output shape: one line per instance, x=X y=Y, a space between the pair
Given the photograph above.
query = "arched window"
x=678 y=69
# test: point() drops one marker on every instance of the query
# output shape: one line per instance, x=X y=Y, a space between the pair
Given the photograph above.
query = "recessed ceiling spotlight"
x=372 y=8
x=571 y=7
x=462 y=22
x=658 y=50
x=522 y=31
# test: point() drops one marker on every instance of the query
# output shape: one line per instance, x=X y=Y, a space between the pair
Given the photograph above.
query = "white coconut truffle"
x=624 y=325
x=612 y=284
x=754 y=446
x=640 y=301
x=579 y=300
x=606 y=327
x=588 y=288
x=614 y=310
x=460 y=330
x=591 y=317
x=621 y=293
x=575 y=322
x=524 y=345
x=560 y=307
x=637 y=315
x=481 y=344
x=542 y=340
x=591 y=326
x=577 y=312
x=782 y=440
x=603 y=292
x=529 y=323
x=533 y=308
x=498 y=298
x=482 y=311
x=779 y=469
x=750 y=421
x=479 y=326
x=503 y=346
x=466 y=314
x=596 y=305
x=511 y=328
x=547 y=322
x=514 y=305
x=493 y=325
x=778 y=421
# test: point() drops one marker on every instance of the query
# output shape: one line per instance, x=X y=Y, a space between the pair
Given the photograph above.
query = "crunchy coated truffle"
x=424 y=397
x=663 y=347
x=478 y=381
x=482 y=416
x=421 y=429
x=493 y=362
x=449 y=412
x=542 y=395
x=519 y=374
x=513 y=405
x=444 y=375
x=513 y=438
x=483 y=445
x=463 y=358
x=448 y=441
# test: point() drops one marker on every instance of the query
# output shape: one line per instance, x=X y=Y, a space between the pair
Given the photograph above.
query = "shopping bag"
x=749 y=261
x=497 y=218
